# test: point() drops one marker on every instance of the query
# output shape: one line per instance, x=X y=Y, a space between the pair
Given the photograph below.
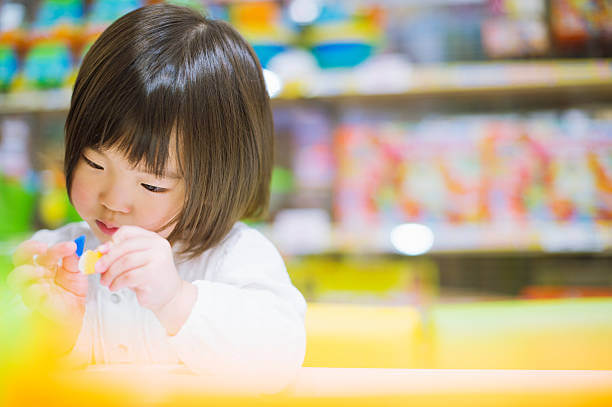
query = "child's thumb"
x=71 y=263
x=69 y=277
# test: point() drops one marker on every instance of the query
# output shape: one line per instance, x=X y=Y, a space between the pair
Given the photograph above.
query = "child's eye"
x=153 y=188
x=92 y=164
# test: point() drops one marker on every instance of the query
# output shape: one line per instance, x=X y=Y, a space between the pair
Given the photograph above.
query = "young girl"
x=169 y=142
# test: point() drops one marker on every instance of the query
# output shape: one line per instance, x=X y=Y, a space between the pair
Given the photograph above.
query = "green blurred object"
x=16 y=208
x=282 y=181
x=193 y=4
x=71 y=213
x=6 y=263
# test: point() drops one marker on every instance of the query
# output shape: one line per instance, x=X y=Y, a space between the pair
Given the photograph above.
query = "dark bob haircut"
x=165 y=75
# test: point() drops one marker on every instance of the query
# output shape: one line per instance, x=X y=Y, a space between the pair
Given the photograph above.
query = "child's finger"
x=69 y=277
x=119 y=250
x=24 y=275
x=125 y=263
x=71 y=263
x=128 y=232
x=56 y=252
x=129 y=279
x=25 y=252
x=35 y=294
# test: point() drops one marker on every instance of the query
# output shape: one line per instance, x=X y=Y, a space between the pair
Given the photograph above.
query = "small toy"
x=80 y=242
x=88 y=261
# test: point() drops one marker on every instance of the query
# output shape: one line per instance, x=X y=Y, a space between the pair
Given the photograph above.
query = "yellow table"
x=175 y=386
x=366 y=382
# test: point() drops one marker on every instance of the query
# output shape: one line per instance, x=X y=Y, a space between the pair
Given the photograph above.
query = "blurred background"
x=449 y=157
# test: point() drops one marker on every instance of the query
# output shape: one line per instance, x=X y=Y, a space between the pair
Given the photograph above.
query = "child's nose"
x=116 y=199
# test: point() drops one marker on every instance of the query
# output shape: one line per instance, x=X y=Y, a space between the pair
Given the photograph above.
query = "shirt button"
x=115 y=299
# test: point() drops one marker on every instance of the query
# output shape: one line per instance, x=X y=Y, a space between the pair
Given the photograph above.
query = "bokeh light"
x=412 y=239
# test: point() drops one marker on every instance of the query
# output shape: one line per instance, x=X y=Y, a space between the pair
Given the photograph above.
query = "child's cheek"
x=81 y=194
x=155 y=216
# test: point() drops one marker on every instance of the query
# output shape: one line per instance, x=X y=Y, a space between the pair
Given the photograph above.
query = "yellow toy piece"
x=88 y=261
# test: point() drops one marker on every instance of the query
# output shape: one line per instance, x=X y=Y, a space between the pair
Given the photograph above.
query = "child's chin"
x=102 y=237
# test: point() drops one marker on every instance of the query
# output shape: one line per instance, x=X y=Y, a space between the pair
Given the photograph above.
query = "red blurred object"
x=581 y=25
x=549 y=292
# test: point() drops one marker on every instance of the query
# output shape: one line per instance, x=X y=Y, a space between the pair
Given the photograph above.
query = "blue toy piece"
x=80 y=242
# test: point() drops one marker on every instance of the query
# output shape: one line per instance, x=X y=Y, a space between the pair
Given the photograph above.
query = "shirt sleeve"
x=247 y=325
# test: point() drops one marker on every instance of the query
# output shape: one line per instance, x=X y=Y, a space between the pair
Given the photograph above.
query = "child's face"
x=108 y=192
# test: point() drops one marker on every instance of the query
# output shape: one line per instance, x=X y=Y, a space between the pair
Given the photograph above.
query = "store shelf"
x=35 y=101
x=508 y=237
x=594 y=91
x=590 y=79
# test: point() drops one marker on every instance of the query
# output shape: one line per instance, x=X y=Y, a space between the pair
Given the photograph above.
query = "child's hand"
x=52 y=288
x=142 y=261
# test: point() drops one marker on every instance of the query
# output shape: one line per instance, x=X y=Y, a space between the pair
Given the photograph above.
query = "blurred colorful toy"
x=531 y=172
x=580 y=25
x=104 y=12
x=48 y=65
x=515 y=28
x=88 y=261
x=58 y=20
x=53 y=13
x=339 y=39
x=12 y=26
x=8 y=67
x=261 y=24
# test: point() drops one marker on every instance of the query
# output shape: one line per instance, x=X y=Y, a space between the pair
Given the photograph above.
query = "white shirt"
x=247 y=324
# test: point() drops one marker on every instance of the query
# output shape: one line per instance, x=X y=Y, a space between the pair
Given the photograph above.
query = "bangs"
x=138 y=120
x=145 y=144
x=127 y=97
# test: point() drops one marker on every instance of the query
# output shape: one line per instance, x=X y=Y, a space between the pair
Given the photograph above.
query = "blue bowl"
x=341 y=54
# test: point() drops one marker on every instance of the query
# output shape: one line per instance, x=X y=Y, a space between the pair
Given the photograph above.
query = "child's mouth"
x=106 y=229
